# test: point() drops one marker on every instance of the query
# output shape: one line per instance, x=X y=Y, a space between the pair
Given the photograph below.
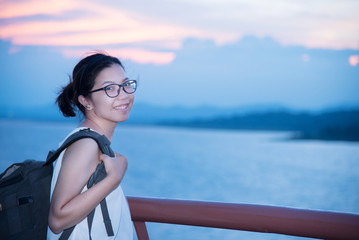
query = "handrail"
x=256 y=218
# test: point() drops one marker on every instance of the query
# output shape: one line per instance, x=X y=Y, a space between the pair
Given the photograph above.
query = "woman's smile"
x=122 y=107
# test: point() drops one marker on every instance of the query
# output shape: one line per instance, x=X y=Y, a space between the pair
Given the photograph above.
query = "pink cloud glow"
x=80 y=23
x=34 y=35
x=354 y=60
x=305 y=58
x=100 y=26
x=13 y=9
x=133 y=54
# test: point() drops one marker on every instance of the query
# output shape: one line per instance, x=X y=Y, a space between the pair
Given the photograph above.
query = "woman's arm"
x=68 y=205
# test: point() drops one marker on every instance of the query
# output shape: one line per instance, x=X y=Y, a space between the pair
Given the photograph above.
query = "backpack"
x=25 y=193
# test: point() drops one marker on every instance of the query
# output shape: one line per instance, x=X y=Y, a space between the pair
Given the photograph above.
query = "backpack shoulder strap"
x=97 y=176
x=102 y=141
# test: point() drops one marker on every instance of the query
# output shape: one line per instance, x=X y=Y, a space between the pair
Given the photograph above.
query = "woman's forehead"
x=113 y=74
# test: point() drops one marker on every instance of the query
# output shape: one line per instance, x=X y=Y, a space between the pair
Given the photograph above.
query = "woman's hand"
x=115 y=166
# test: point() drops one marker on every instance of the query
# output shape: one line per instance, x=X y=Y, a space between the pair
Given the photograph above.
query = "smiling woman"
x=100 y=90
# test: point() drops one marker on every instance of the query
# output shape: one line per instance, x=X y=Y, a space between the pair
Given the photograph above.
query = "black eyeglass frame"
x=127 y=82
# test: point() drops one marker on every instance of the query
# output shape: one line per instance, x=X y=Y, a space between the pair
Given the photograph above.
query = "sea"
x=251 y=167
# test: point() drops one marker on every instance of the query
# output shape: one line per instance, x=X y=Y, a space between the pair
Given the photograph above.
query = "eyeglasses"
x=113 y=90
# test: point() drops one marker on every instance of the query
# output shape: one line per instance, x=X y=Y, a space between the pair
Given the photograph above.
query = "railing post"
x=141 y=230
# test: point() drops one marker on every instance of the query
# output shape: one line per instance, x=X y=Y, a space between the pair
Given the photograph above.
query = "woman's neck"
x=106 y=130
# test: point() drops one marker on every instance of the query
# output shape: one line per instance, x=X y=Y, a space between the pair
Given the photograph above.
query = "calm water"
x=212 y=165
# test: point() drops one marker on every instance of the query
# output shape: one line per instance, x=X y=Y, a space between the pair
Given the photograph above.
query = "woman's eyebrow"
x=125 y=79
x=111 y=82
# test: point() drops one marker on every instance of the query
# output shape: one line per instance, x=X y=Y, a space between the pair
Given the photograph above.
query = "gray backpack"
x=25 y=193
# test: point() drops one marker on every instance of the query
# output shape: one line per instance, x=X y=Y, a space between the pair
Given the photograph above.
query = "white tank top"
x=118 y=210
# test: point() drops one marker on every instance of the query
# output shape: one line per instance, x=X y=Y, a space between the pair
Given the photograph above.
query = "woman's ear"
x=84 y=102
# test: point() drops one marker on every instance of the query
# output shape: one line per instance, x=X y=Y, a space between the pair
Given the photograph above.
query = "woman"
x=100 y=90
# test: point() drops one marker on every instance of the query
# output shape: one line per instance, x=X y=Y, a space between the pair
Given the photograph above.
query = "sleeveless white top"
x=118 y=210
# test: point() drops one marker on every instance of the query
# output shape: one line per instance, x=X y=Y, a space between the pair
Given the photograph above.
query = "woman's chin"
x=122 y=118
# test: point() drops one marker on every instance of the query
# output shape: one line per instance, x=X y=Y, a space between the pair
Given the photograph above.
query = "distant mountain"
x=327 y=125
x=145 y=113
x=38 y=113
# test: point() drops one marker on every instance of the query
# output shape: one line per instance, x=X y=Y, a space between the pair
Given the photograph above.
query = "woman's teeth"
x=122 y=107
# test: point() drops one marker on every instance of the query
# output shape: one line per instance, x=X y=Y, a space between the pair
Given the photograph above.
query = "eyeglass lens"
x=113 y=90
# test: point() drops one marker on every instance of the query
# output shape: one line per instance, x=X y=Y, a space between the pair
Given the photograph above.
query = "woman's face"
x=115 y=109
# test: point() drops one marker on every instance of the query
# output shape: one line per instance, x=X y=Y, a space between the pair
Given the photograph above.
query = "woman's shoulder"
x=83 y=151
x=84 y=148
x=83 y=142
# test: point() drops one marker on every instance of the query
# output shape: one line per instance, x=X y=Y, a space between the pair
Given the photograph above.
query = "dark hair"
x=82 y=81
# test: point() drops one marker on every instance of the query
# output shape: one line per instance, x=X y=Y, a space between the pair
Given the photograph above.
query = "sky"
x=297 y=53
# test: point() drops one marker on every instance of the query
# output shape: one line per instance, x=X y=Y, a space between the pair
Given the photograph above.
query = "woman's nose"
x=122 y=94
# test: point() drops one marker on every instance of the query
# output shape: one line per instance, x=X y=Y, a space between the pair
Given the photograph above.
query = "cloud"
x=99 y=26
x=154 y=27
x=316 y=24
x=14 y=9
x=138 y=55
x=250 y=71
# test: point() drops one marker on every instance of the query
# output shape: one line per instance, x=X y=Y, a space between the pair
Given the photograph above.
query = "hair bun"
x=65 y=100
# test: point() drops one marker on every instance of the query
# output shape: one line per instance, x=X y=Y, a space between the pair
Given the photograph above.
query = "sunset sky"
x=154 y=36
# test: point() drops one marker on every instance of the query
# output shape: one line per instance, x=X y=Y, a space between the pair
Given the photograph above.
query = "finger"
x=104 y=157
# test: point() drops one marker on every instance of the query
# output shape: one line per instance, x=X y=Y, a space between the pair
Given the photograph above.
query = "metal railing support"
x=141 y=230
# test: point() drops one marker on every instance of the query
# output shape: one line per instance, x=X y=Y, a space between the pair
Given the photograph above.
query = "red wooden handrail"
x=256 y=218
